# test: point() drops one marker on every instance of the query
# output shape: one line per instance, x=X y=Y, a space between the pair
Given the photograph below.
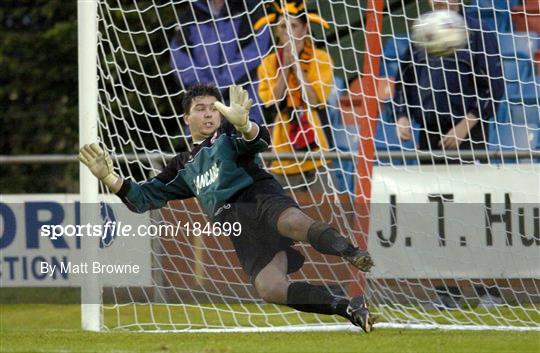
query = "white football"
x=440 y=32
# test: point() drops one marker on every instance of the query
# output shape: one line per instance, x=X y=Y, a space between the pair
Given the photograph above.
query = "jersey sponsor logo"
x=224 y=207
x=207 y=178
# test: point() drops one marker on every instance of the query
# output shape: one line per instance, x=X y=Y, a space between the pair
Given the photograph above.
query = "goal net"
x=455 y=233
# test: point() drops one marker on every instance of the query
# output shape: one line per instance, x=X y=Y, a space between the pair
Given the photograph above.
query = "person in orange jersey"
x=297 y=80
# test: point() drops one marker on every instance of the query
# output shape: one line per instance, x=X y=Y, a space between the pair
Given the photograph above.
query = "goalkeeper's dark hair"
x=198 y=90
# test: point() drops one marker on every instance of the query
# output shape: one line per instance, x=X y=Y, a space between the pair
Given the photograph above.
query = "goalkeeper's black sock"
x=327 y=240
x=308 y=298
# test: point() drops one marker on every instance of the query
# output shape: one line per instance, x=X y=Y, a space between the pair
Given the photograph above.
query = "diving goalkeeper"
x=222 y=173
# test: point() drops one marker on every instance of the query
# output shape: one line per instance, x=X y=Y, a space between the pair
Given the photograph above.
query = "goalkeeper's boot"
x=360 y=259
x=359 y=314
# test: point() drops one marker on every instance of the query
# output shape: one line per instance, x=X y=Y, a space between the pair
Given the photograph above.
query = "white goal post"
x=88 y=132
x=455 y=235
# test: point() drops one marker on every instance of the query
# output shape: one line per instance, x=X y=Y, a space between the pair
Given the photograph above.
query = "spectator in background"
x=215 y=43
x=452 y=98
x=297 y=79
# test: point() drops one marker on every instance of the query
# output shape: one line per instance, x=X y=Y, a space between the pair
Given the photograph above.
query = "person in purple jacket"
x=215 y=43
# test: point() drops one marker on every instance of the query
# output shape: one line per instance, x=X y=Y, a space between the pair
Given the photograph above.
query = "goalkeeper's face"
x=203 y=118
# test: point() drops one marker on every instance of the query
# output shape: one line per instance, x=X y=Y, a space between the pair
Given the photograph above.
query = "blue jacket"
x=433 y=90
x=220 y=49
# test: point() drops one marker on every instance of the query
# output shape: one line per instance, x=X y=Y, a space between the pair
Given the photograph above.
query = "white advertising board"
x=432 y=222
x=30 y=256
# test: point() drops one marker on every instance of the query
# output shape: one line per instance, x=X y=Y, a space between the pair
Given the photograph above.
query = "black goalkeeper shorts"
x=258 y=208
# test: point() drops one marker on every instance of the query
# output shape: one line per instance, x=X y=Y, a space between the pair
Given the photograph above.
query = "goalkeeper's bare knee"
x=294 y=224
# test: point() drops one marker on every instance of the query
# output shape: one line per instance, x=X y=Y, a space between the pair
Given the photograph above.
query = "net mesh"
x=149 y=52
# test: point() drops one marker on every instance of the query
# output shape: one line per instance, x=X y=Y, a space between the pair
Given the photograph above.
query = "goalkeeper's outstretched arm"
x=151 y=194
x=100 y=164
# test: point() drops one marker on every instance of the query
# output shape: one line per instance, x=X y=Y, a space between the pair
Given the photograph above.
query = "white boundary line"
x=348 y=327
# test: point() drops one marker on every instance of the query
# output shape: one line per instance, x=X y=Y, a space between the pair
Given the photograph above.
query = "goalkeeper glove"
x=237 y=112
x=100 y=164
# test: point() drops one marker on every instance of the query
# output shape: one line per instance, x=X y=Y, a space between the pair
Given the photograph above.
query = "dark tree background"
x=38 y=93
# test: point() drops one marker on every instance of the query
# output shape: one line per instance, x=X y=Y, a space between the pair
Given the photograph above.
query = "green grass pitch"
x=56 y=328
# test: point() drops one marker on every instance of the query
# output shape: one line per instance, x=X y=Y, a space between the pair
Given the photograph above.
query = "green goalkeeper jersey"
x=213 y=172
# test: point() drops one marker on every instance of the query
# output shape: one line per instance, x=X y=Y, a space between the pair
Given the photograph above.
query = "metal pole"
x=380 y=156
